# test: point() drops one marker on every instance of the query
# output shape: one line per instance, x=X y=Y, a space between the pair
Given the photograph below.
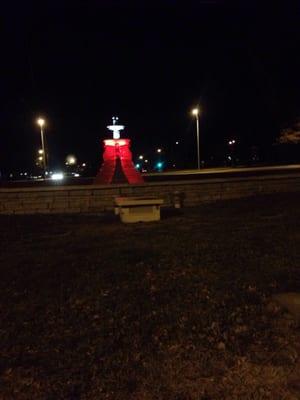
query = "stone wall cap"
x=137 y=201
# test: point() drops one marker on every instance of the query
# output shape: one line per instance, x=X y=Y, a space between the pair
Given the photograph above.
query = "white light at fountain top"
x=115 y=128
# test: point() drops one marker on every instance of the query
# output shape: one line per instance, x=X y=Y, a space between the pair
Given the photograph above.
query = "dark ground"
x=92 y=309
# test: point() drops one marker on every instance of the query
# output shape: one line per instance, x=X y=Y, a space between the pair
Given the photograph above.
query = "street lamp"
x=41 y=123
x=195 y=113
x=70 y=160
x=158 y=150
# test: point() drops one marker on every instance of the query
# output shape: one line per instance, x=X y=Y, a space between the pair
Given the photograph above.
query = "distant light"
x=40 y=158
x=71 y=160
x=57 y=176
x=41 y=151
x=146 y=161
x=41 y=122
x=25 y=173
x=76 y=175
x=195 y=111
x=229 y=158
x=176 y=142
x=158 y=150
x=137 y=166
x=159 y=165
x=83 y=164
x=141 y=157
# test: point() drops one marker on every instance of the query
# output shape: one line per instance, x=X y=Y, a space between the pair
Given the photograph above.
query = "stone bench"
x=138 y=209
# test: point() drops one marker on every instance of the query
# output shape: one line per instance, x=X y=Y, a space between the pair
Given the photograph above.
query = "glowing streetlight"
x=41 y=123
x=71 y=160
x=141 y=157
x=195 y=113
x=158 y=150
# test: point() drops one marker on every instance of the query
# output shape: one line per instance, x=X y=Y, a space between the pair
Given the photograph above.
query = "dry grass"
x=92 y=309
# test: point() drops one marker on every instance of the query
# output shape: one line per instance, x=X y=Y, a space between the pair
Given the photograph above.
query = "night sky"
x=80 y=63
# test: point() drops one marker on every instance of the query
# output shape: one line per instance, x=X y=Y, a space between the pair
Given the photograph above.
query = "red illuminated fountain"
x=117 y=164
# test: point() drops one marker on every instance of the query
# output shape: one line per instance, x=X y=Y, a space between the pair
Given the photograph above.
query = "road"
x=208 y=173
x=188 y=174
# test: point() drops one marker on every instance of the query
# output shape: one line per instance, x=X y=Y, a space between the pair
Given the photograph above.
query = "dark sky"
x=79 y=63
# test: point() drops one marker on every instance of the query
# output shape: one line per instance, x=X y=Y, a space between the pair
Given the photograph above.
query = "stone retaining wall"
x=94 y=199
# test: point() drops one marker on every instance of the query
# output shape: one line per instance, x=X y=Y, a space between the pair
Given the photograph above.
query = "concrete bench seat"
x=138 y=209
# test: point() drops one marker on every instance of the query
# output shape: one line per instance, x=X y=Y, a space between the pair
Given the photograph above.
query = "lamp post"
x=41 y=123
x=196 y=112
x=231 y=157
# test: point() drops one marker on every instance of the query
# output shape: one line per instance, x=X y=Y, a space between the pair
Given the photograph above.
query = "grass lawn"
x=175 y=310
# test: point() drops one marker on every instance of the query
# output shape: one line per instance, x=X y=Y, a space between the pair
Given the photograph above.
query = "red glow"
x=117 y=149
